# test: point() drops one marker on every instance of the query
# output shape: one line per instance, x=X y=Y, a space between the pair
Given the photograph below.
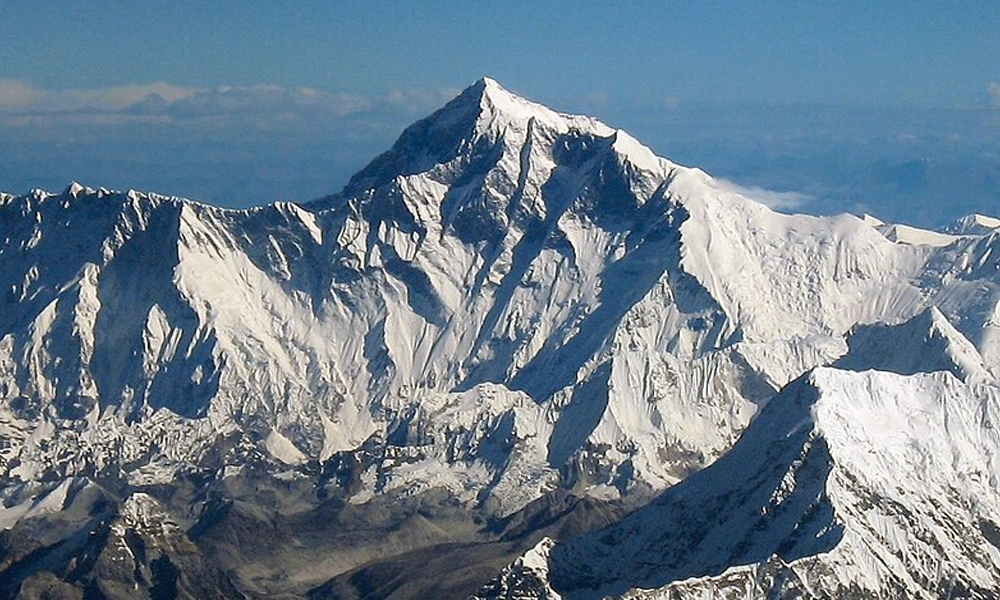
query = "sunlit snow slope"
x=848 y=485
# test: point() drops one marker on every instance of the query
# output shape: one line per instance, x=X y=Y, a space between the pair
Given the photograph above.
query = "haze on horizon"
x=891 y=109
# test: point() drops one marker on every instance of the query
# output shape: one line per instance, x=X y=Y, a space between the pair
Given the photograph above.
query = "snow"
x=33 y=501
x=527 y=577
x=974 y=224
x=926 y=343
x=282 y=449
x=501 y=107
x=859 y=483
x=905 y=234
x=636 y=154
x=872 y=220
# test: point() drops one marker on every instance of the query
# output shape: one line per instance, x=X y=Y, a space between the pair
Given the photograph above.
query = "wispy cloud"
x=770 y=198
x=17 y=95
x=23 y=97
x=257 y=99
x=994 y=89
x=270 y=141
x=25 y=104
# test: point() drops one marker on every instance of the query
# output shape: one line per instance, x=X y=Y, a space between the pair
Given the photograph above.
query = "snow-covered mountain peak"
x=925 y=343
x=974 y=224
x=75 y=189
x=846 y=485
x=487 y=126
x=503 y=111
x=142 y=512
x=502 y=108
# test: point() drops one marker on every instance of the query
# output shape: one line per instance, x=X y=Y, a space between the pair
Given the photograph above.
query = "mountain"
x=139 y=551
x=926 y=343
x=974 y=224
x=848 y=485
x=514 y=323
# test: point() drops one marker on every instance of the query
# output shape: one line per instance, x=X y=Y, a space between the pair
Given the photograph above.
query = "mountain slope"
x=848 y=485
x=136 y=552
x=926 y=343
x=502 y=262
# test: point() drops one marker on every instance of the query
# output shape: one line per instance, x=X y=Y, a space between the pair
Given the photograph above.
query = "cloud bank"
x=229 y=144
x=22 y=103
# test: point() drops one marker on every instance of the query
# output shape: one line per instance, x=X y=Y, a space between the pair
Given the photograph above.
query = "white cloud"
x=16 y=94
x=994 y=90
x=25 y=103
x=259 y=100
x=23 y=97
x=770 y=198
x=117 y=97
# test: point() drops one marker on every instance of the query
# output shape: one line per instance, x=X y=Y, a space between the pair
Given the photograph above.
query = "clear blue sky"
x=371 y=67
x=922 y=53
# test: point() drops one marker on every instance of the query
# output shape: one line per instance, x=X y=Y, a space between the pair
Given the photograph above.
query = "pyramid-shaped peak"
x=925 y=343
x=500 y=97
x=76 y=189
x=490 y=86
x=489 y=89
x=497 y=107
x=483 y=116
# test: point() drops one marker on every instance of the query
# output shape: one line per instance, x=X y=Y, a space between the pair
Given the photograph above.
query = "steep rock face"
x=847 y=485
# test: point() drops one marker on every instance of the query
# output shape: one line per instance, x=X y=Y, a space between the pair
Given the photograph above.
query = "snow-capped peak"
x=504 y=108
x=974 y=224
x=926 y=343
x=75 y=188
x=478 y=166
x=487 y=116
x=846 y=485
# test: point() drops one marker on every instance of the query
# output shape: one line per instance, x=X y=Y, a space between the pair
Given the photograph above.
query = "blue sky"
x=245 y=102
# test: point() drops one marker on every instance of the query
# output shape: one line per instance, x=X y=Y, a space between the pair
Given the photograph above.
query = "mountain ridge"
x=848 y=510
